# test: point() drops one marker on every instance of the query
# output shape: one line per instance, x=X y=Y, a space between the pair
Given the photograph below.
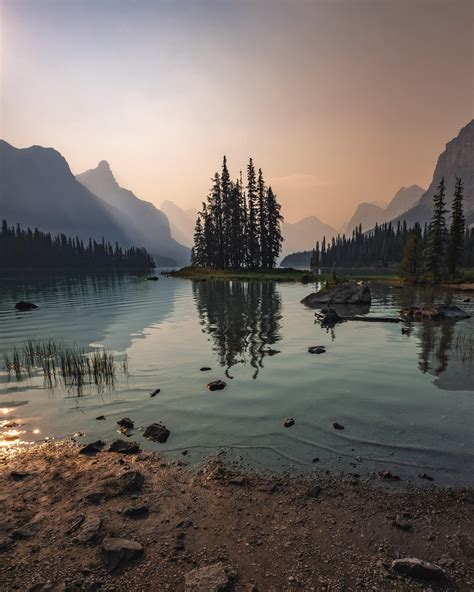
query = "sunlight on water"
x=405 y=399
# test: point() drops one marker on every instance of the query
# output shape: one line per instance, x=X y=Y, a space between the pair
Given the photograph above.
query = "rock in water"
x=434 y=312
x=123 y=447
x=157 y=433
x=212 y=578
x=126 y=423
x=417 y=568
x=288 y=422
x=344 y=293
x=153 y=278
x=216 y=385
x=337 y=426
x=317 y=349
x=92 y=448
x=118 y=552
x=22 y=305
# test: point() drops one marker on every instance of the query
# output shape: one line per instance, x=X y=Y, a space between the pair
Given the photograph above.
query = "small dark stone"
x=184 y=452
x=18 y=475
x=22 y=534
x=123 y=447
x=137 y=512
x=155 y=392
x=101 y=417
x=401 y=523
x=288 y=422
x=317 y=349
x=216 y=385
x=467 y=300
x=131 y=482
x=387 y=475
x=425 y=476
x=153 y=278
x=316 y=459
x=92 y=448
x=95 y=497
x=205 y=369
x=118 y=552
x=157 y=433
x=22 y=305
x=338 y=426
x=314 y=491
x=126 y=423
x=417 y=568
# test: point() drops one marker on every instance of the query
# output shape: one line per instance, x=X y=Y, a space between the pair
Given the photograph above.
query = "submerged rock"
x=126 y=423
x=338 y=426
x=153 y=278
x=212 y=578
x=22 y=305
x=417 y=568
x=216 y=385
x=118 y=552
x=157 y=433
x=155 y=392
x=288 y=422
x=344 y=293
x=205 y=369
x=434 y=312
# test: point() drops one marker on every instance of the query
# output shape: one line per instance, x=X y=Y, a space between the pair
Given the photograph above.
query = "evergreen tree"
x=457 y=230
x=198 y=254
x=437 y=233
x=252 y=229
x=273 y=237
x=264 y=247
x=412 y=262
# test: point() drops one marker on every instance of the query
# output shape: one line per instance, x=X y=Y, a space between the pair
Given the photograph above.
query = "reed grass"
x=71 y=366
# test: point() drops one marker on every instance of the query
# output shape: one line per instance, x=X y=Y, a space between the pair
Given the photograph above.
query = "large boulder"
x=434 y=312
x=344 y=293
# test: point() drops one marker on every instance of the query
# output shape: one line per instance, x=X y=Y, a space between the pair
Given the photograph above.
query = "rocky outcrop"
x=434 y=312
x=343 y=293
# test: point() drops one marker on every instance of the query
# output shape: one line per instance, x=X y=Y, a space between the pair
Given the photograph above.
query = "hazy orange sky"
x=338 y=101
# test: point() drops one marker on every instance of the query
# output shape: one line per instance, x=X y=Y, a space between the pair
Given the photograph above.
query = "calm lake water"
x=406 y=400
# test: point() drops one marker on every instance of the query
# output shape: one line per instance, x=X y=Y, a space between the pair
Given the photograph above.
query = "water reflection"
x=242 y=319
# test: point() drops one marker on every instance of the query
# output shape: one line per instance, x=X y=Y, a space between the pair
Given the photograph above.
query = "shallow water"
x=406 y=401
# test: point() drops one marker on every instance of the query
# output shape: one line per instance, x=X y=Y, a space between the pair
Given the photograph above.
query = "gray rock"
x=288 y=422
x=317 y=349
x=212 y=578
x=417 y=568
x=216 y=385
x=131 y=482
x=89 y=531
x=156 y=432
x=126 y=423
x=118 y=552
x=92 y=448
x=123 y=447
x=344 y=293
x=22 y=305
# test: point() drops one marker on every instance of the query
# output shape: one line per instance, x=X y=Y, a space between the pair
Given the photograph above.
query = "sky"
x=337 y=101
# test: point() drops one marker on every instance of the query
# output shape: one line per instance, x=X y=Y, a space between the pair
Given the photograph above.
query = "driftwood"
x=374 y=319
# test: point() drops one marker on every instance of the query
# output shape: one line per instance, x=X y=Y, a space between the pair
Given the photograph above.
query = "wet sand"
x=62 y=511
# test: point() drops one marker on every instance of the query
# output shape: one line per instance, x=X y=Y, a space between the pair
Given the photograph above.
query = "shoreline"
x=259 y=531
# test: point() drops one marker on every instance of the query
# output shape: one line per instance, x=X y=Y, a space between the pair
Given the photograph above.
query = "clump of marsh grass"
x=60 y=363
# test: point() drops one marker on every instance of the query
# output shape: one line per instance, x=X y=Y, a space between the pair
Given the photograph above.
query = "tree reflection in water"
x=242 y=319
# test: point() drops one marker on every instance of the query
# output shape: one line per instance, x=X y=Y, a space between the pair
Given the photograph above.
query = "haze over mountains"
x=38 y=189
x=143 y=223
x=369 y=214
x=181 y=222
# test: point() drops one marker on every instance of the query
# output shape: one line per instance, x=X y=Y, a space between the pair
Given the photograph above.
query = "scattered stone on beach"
x=92 y=448
x=18 y=475
x=137 y=512
x=434 y=312
x=402 y=523
x=387 y=476
x=314 y=491
x=418 y=569
x=343 y=293
x=126 y=423
x=212 y=578
x=118 y=552
x=153 y=278
x=216 y=385
x=122 y=447
x=425 y=476
x=205 y=369
x=157 y=432
x=129 y=482
x=89 y=531
x=288 y=422
x=317 y=349
x=338 y=426
x=100 y=417
x=22 y=305
x=155 y=392
x=315 y=459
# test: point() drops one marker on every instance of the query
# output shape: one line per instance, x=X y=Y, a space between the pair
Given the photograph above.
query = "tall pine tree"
x=458 y=228
x=437 y=234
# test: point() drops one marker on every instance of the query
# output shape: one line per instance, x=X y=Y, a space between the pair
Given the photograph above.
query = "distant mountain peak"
x=104 y=165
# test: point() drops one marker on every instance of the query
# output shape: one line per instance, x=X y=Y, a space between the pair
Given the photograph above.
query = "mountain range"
x=38 y=189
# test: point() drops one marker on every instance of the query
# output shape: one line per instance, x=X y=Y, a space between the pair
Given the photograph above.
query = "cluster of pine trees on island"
x=239 y=225
x=26 y=248
x=426 y=254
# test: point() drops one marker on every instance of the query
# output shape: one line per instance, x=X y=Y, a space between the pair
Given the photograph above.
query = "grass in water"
x=59 y=363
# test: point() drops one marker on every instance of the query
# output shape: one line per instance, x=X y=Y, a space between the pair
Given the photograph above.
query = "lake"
x=405 y=399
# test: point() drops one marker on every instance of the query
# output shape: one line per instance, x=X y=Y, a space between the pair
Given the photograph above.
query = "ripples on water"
x=406 y=400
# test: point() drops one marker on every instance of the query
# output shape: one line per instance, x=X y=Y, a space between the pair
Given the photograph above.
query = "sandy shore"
x=62 y=513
